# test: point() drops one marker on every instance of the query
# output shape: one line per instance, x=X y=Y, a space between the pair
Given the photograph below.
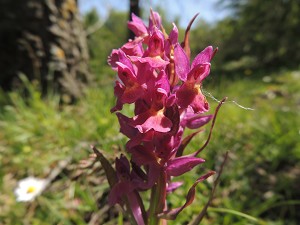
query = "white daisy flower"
x=29 y=188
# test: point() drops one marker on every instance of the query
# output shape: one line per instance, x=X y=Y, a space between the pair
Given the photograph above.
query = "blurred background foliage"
x=257 y=66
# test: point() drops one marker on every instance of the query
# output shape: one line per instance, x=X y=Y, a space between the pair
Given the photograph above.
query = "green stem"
x=157 y=201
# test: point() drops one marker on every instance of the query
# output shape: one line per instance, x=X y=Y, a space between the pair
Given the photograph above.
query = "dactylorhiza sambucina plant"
x=156 y=75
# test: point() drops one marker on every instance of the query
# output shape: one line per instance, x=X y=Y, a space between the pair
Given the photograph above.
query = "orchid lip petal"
x=157 y=123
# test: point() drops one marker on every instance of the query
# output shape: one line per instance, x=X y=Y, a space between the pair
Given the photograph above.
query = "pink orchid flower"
x=156 y=76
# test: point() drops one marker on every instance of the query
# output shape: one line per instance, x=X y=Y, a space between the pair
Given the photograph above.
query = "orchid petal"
x=154 y=62
x=141 y=155
x=122 y=167
x=170 y=101
x=125 y=129
x=190 y=95
x=123 y=59
x=132 y=90
x=154 y=20
x=199 y=72
x=203 y=57
x=180 y=165
x=162 y=84
x=173 y=186
x=133 y=48
x=113 y=58
x=181 y=62
x=137 y=26
x=158 y=122
x=174 y=35
x=118 y=191
x=156 y=44
x=173 y=112
x=118 y=91
x=198 y=121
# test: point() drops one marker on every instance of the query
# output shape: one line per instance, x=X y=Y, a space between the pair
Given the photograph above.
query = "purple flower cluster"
x=155 y=74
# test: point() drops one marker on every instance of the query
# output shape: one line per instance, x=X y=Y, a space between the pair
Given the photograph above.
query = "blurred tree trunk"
x=45 y=40
x=133 y=8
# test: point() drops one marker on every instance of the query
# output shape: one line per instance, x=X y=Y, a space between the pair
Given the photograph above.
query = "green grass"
x=36 y=134
x=259 y=185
